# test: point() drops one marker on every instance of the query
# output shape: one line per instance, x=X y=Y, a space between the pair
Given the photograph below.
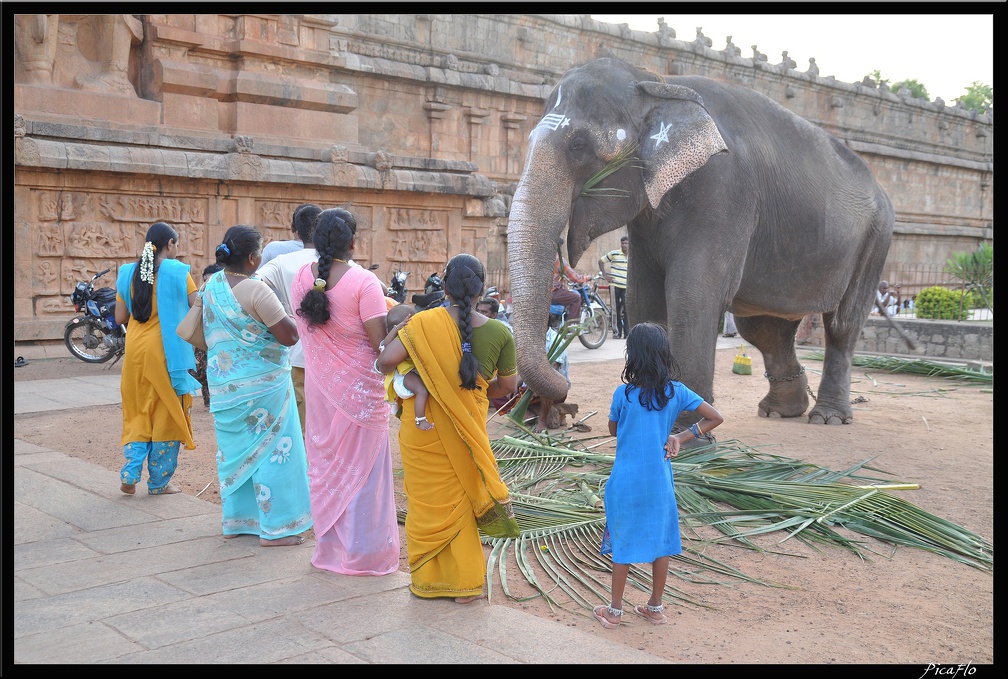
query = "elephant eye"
x=579 y=146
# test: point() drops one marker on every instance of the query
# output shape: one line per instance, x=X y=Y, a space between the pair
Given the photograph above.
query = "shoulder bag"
x=190 y=328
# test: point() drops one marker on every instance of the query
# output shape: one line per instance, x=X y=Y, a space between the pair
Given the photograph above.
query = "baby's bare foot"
x=128 y=488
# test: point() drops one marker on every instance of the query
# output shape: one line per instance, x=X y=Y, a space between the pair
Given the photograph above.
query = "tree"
x=975 y=270
x=916 y=88
x=979 y=97
x=875 y=77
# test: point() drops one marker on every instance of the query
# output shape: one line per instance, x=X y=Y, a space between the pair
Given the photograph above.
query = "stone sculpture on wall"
x=84 y=51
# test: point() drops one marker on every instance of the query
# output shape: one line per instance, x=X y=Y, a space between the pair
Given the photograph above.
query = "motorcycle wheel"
x=86 y=340
x=596 y=328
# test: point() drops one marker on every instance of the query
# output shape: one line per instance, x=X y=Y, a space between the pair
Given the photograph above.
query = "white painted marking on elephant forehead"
x=553 y=121
x=662 y=135
x=559 y=96
x=621 y=134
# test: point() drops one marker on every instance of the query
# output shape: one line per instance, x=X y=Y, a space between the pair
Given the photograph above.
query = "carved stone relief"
x=418 y=236
x=275 y=219
x=245 y=166
x=78 y=234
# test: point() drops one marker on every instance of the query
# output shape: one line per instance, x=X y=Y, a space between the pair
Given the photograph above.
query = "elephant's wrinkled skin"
x=735 y=202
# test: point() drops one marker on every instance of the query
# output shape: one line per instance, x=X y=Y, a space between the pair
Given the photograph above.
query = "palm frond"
x=728 y=493
x=626 y=156
x=915 y=366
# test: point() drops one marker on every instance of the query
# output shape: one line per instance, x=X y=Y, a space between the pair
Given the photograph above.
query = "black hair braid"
x=469 y=367
x=332 y=237
x=142 y=293
x=463 y=281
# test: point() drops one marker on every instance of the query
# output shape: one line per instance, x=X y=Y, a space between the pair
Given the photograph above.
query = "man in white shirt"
x=884 y=299
x=279 y=273
x=303 y=213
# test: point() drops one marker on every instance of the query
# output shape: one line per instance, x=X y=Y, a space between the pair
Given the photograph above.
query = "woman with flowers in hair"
x=152 y=297
x=341 y=321
x=453 y=485
x=261 y=465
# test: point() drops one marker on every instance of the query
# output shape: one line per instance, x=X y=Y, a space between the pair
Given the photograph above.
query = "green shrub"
x=942 y=304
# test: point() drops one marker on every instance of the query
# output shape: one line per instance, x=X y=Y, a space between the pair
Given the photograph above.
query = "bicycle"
x=596 y=316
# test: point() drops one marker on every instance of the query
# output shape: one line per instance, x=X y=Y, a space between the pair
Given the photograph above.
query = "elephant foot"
x=827 y=415
x=775 y=407
x=786 y=398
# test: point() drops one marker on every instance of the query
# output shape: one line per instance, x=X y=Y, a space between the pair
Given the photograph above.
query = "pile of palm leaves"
x=916 y=366
x=727 y=493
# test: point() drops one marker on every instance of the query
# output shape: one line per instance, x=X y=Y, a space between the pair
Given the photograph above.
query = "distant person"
x=200 y=372
x=642 y=518
x=153 y=294
x=405 y=382
x=280 y=247
x=886 y=301
x=562 y=294
x=490 y=307
x=279 y=274
x=729 y=324
x=617 y=278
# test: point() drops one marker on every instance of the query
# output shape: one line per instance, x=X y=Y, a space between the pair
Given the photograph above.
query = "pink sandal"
x=643 y=611
x=618 y=612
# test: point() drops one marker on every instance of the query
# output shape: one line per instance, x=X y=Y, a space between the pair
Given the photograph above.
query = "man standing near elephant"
x=616 y=277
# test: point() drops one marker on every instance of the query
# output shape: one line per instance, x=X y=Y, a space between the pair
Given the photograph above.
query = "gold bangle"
x=699 y=428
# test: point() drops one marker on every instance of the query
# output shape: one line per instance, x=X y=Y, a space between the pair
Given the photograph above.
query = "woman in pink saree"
x=341 y=321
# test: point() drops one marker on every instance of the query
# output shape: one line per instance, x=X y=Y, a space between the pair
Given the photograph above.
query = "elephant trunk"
x=539 y=212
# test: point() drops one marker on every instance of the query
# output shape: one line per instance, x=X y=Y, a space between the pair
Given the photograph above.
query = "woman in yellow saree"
x=452 y=482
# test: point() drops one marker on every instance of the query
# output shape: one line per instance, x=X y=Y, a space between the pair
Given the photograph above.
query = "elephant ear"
x=678 y=137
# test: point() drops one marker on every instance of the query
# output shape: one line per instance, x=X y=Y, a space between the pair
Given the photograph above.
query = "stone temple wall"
x=417 y=122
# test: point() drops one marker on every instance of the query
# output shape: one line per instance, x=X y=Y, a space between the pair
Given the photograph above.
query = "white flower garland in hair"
x=147 y=263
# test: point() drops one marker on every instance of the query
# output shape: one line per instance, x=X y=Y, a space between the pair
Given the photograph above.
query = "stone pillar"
x=512 y=123
x=476 y=117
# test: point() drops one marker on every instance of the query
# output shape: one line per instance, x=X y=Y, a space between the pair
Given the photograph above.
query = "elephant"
x=731 y=202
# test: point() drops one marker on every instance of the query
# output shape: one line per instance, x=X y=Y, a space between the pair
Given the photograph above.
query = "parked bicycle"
x=596 y=316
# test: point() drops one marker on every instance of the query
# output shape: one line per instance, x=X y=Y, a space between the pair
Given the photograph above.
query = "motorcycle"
x=397 y=286
x=94 y=336
x=433 y=295
x=593 y=326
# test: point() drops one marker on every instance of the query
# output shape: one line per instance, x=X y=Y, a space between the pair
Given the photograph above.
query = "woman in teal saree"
x=261 y=463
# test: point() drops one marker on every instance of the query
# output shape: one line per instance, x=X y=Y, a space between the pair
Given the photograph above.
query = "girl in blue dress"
x=642 y=519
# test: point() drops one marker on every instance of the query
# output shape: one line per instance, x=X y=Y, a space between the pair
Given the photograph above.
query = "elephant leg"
x=774 y=337
x=833 y=400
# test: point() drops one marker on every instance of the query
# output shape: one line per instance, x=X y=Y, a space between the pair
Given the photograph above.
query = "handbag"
x=743 y=362
x=190 y=328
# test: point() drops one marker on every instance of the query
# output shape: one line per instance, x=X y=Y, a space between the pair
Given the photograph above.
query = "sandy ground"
x=904 y=606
